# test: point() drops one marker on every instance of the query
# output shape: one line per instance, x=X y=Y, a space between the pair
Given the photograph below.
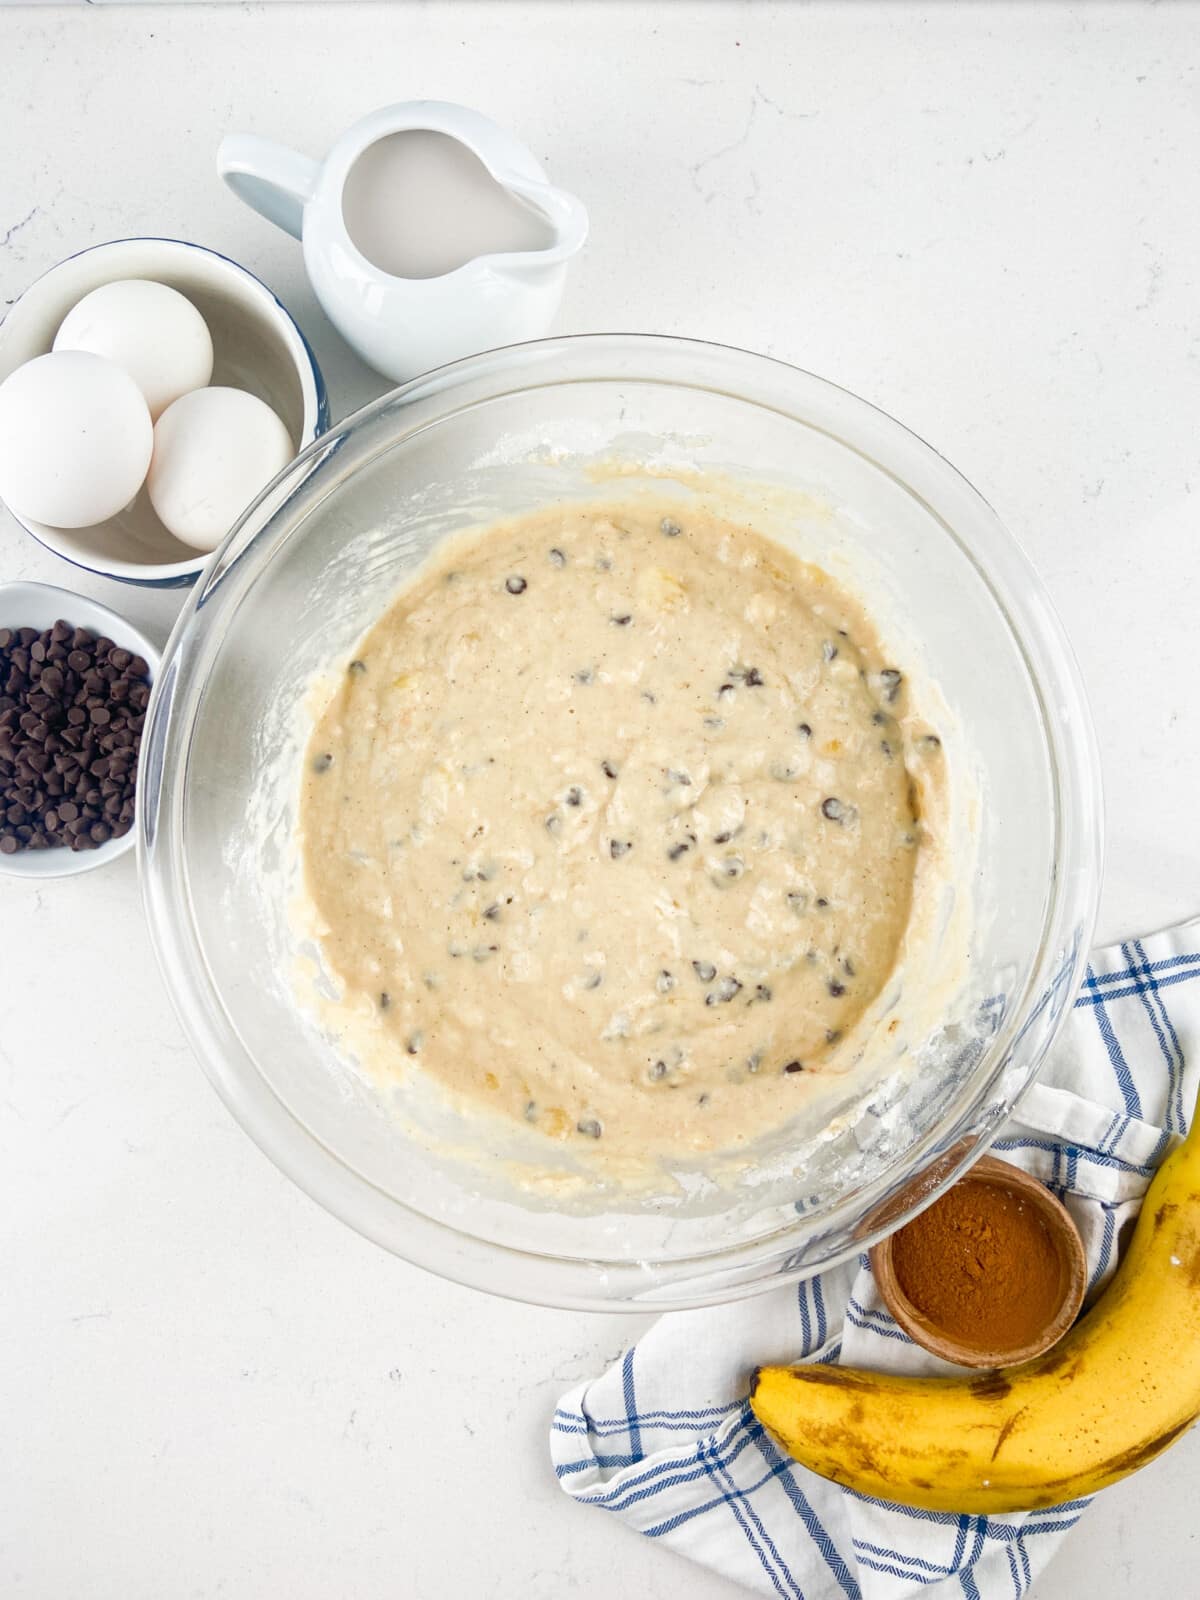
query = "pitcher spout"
x=566 y=220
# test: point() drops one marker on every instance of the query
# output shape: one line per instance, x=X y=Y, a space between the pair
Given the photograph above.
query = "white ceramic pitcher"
x=403 y=326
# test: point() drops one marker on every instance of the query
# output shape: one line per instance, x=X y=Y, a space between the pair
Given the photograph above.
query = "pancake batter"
x=612 y=826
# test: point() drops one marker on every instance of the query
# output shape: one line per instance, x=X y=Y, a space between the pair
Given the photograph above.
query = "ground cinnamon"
x=981 y=1266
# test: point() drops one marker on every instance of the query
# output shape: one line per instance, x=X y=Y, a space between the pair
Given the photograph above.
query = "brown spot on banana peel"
x=992 y=1386
x=1006 y=1430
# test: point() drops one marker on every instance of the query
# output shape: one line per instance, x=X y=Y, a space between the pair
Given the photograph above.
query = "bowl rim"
x=180 y=574
x=36 y=865
x=769 y=1260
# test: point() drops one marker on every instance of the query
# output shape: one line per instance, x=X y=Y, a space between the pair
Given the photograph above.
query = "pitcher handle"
x=273 y=180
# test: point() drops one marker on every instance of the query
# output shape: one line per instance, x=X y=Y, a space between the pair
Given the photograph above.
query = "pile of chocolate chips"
x=71 y=713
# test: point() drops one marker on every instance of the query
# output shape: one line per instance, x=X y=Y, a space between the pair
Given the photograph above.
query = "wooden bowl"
x=1064 y=1236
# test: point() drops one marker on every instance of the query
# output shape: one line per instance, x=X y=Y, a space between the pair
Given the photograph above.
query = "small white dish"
x=40 y=605
x=256 y=346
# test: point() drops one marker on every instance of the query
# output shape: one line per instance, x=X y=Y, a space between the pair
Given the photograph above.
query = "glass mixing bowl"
x=318 y=557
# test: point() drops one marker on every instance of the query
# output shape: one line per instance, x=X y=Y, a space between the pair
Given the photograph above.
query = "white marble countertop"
x=985 y=219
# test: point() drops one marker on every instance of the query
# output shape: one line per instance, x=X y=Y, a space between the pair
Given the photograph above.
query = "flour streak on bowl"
x=257 y=347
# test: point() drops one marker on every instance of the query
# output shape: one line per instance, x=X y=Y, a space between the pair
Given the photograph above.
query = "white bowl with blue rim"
x=41 y=605
x=256 y=346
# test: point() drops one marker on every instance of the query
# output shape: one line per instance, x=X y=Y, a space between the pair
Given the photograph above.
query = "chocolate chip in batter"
x=714 y=723
x=665 y=982
x=829 y=651
x=322 y=763
x=670 y=528
x=804 y=729
x=385 y=1000
x=832 y=1035
x=516 y=584
x=890 y=681
x=357 y=668
x=531 y=1111
x=794 y=1066
x=724 y=992
x=762 y=991
x=619 y=847
x=608 y=769
x=677 y=850
x=585 y=675
x=589 y=1127
x=836 y=810
x=704 y=970
x=594 y=980
x=622 y=619
x=930 y=741
x=753 y=678
x=657 y=1071
x=553 y=822
x=492 y=913
x=557 y=559
x=797 y=901
x=414 y=1042
x=836 y=989
x=679 y=778
x=574 y=795
x=729 y=870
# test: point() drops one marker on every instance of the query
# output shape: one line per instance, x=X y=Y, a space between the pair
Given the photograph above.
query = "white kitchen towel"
x=666 y=1439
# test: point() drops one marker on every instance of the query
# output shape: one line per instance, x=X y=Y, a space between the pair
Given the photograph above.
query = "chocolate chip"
x=516 y=584
x=574 y=795
x=385 y=1000
x=794 y=1066
x=622 y=620
x=829 y=651
x=804 y=729
x=657 y=1071
x=589 y=1127
x=890 y=681
x=723 y=993
x=835 y=810
x=607 y=768
x=670 y=527
x=619 y=847
x=414 y=1042
x=704 y=970
x=930 y=741
x=753 y=679
x=762 y=991
x=665 y=982
x=357 y=667
x=677 y=850
x=557 y=559
x=836 y=989
x=322 y=763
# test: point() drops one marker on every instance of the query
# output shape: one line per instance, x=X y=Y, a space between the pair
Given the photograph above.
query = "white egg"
x=214 y=450
x=152 y=331
x=75 y=439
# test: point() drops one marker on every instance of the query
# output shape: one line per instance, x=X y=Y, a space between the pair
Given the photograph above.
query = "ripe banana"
x=1117 y=1390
